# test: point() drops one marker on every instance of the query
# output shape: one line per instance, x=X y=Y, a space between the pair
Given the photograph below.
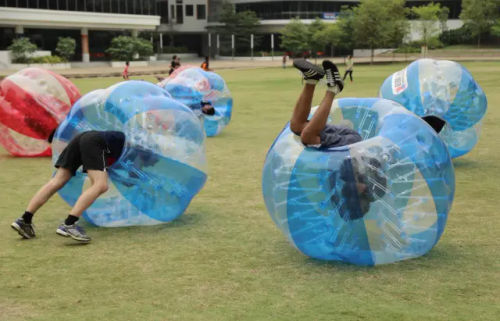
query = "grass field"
x=224 y=259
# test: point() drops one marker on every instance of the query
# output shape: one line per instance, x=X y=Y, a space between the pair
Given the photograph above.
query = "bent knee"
x=102 y=187
x=309 y=139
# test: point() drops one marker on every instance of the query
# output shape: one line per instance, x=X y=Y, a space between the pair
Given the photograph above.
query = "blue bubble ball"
x=444 y=89
x=162 y=166
x=192 y=85
x=313 y=194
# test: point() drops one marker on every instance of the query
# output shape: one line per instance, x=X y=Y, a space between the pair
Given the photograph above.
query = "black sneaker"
x=333 y=79
x=308 y=70
x=74 y=231
x=24 y=229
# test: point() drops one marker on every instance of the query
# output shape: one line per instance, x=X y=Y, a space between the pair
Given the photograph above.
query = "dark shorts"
x=88 y=149
x=335 y=136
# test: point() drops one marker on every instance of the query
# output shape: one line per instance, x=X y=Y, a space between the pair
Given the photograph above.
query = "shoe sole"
x=76 y=238
x=19 y=230
x=303 y=64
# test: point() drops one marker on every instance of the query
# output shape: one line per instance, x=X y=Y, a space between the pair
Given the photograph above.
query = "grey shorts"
x=336 y=136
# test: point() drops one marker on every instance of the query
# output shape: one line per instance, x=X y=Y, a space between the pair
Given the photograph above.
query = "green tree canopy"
x=428 y=17
x=21 y=48
x=295 y=36
x=66 y=47
x=241 y=24
x=126 y=48
x=480 y=16
x=329 y=36
x=379 y=23
x=495 y=29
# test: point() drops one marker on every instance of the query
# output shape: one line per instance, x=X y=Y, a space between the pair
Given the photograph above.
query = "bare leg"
x=302 y=109
x=99 y=181
x=310 y=133
x=45 y=193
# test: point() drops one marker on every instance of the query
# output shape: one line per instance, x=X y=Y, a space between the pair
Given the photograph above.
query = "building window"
x=200 y=12
x=179 y=14
x=172 y=10
x=189 y=10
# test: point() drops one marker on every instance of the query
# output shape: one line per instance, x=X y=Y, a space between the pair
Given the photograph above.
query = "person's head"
x=174 y=57
x=364 y=182
x=207 y=108
x=349 y=57
x=207 y=58
x=127 y=63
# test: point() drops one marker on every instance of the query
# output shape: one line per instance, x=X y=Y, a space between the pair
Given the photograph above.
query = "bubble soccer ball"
x=445 y=89
x=314 y=195
x=162 y=166
x=33 y=101
x=192 y=85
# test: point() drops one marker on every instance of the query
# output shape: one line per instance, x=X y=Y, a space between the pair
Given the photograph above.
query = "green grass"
x=224 y=259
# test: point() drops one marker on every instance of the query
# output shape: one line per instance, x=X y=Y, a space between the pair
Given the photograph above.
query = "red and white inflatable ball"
x=33 y=101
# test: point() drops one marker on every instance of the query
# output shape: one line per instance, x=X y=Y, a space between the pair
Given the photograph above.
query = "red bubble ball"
x=33 y=102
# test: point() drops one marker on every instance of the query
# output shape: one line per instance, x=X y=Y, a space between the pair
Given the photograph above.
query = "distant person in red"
x=204 y=64
x=125 y=71
x=283 y=61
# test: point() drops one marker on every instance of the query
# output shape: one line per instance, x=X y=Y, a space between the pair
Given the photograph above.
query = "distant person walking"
x=349 y=67
x=283 y=61
x=174 y=64
x=125 y=71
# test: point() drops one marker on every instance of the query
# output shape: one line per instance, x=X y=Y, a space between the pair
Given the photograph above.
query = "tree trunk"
x=479 y=40
x=373 y=54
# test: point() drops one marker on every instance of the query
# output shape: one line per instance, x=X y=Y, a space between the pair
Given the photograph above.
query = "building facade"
x=168 y=23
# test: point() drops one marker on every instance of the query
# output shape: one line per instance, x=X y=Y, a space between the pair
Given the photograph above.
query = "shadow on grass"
x=435 y=259
x=186 y=220
x=466 y=163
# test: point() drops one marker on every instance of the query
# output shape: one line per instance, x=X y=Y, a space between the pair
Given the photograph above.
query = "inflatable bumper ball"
x=33 y=101
x=381 y=200
x=162 y=166
x=192 y=86
x=443 y=89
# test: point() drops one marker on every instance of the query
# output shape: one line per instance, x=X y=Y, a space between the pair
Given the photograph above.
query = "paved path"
x=162 y=69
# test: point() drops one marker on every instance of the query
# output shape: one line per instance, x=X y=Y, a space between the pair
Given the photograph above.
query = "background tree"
x=378 y=23
x=21 y=48
x=295 y=36
x=427 y=23
x=317 y=26
x=66 y=47
x=495 y=29
x=444 y=13
x=345 y=23
x=479 y=16
x=329 y=36
x=241 y=24
x=126 y=48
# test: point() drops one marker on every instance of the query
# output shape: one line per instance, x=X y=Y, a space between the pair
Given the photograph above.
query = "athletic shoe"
x=74 y=231
x=333 y=79
x=24 y=229
x=308 y=70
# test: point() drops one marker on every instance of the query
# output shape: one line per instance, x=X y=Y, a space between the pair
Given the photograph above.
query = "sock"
x=70 y=220
x=27 y=216
x=334 y=89
x=311 y=81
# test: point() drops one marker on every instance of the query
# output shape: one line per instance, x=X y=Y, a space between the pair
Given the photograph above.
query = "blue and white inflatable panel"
x=444 y=89
x=162 y=166
x=378 y=201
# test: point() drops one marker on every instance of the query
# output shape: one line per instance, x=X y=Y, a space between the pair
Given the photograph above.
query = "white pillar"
x=19 y=30
x=85 y=45
x=161 y=40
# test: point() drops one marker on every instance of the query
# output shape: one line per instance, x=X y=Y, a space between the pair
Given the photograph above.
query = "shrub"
x=21 y=48
x=46 y=60
x=462 y=35
x=66 y=47
x=126 y=48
